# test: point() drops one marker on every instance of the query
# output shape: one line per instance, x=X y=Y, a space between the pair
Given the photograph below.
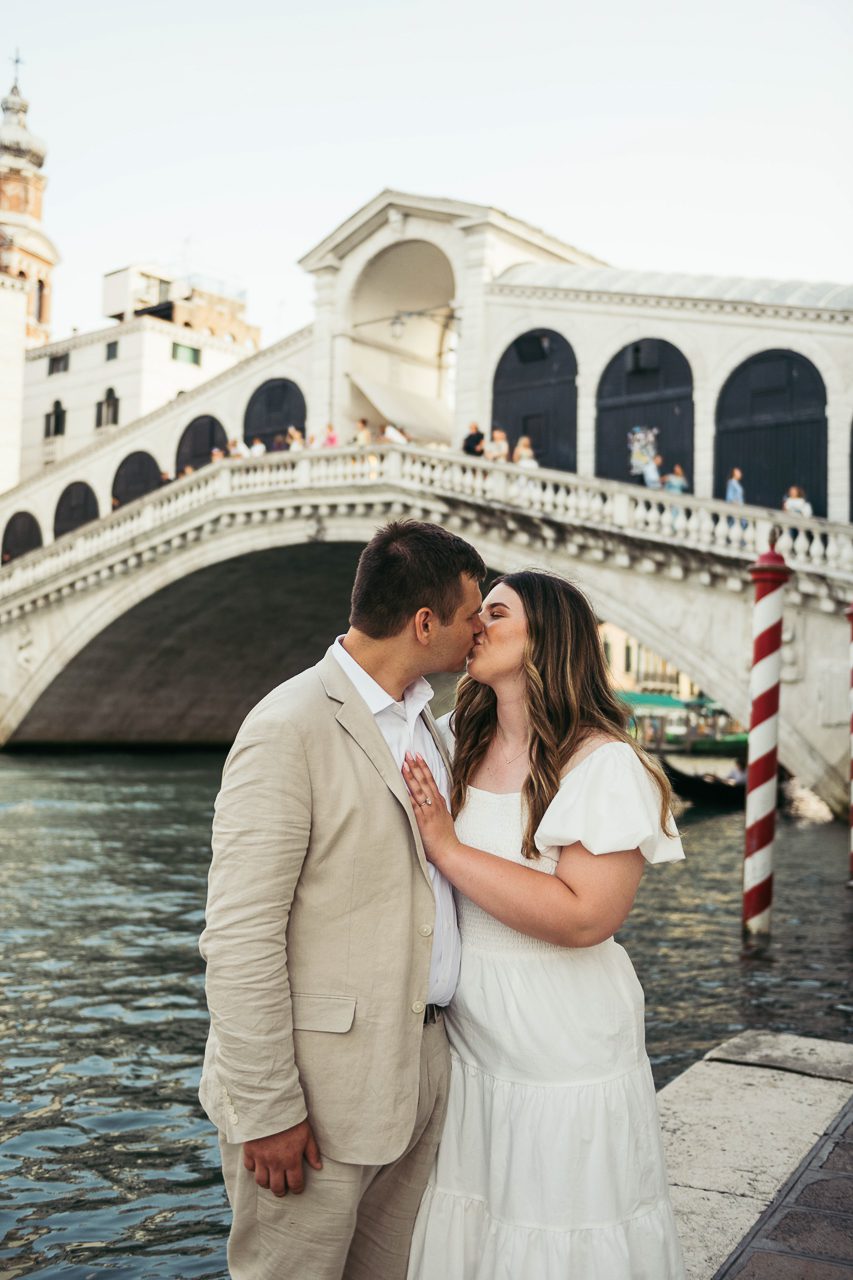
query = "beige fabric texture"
x=316 y=942
x=352 y=1222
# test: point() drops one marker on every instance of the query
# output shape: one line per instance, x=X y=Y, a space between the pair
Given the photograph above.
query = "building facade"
x=76 y=390
x=26 y=252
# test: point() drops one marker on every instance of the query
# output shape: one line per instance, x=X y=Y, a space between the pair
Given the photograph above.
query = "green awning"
x=651 y=701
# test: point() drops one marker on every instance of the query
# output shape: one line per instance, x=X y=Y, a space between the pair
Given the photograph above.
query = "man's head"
x=658 y=459
x=420 y=584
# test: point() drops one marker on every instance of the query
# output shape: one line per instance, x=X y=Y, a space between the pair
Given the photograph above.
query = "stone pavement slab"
x=735 y=1131
x=806 y=1233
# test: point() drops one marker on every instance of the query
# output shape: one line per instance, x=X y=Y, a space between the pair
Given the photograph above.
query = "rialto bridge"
x=163 y=621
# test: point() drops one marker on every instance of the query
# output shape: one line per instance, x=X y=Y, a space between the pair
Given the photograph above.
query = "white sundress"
x=551 y=1165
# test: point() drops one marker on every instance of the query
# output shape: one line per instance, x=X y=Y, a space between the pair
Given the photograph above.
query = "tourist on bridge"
x=676 y=481
x=497 y=450
x=651 y=472
x=295 y=440
x=734 y=487
x=279 y=443
x=796 y=502
x=331 y=439
x=550 y=1165
x=258 y=448
x=475 y=442
x=523 y=454
x=363 y=434
x=238 y=448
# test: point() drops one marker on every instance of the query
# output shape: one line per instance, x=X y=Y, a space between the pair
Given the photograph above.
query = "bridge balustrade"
x=135 y=533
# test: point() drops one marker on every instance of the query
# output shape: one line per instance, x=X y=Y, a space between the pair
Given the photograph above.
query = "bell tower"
x=25 y=251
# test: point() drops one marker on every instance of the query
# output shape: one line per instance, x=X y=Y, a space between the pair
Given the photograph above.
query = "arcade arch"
x=203 y=434
x=22 y=534
x=276 y=405
x=648 y=385
x=77 y=505
x=771 y=422
x=534 y=393
x=137 y=475
x=402 y=358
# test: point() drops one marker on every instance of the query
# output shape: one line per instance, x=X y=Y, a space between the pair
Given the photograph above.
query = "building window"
x=58 y=364
x=106 y=411
x=627 y=659
x=187 y=355
x=112 y=350
x=40 y=302
x=54 y=422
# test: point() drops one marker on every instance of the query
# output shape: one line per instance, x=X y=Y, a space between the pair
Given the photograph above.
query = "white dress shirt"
x=402 y=726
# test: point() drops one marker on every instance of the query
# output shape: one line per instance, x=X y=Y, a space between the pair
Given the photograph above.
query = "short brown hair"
x=406 y=566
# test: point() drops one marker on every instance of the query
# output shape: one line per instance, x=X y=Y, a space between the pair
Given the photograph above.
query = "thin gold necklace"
x=518 y=757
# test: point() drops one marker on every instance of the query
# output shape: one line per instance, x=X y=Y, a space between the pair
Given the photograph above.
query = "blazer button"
x=425 y=931
x=418 y=1006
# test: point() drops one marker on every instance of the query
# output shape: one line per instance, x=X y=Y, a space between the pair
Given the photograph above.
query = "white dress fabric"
x=551 y=1164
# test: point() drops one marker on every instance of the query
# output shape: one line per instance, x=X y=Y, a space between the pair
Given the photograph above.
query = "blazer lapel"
x=354 y=716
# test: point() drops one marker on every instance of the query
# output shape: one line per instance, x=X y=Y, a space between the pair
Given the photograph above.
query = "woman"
x=550 y=1165
x=523 y=454
x=734 y=487
x=676 y=481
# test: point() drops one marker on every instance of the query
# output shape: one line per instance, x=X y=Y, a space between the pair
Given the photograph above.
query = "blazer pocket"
x=322 y=1013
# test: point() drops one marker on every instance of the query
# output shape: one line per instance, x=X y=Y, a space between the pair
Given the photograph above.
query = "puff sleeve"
x=608 y=802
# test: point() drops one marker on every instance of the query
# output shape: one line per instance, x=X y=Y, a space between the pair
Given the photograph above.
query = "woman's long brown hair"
x=569 y=696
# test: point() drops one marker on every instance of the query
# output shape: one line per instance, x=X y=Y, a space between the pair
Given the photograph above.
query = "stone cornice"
x=14 y=283
x=660 y=302
x=190 y=337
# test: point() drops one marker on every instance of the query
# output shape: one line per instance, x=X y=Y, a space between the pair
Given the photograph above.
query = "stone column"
x=703 y=441
x=839 y=419
x=586 y=424
x=473 y=380
x=321 y=399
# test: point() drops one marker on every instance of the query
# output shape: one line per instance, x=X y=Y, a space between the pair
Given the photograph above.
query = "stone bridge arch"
x=185 y=568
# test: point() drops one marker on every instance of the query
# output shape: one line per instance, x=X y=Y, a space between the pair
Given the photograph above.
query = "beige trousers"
x=352 y=1222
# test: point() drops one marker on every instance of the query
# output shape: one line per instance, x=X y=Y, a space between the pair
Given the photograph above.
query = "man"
x=474 y=442
x=331 y=943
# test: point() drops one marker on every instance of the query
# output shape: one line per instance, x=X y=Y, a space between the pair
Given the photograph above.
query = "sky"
x=228 y=139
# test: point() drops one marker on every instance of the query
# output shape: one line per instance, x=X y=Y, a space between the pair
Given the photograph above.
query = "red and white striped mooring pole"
x=769 y=573
x=849 y=616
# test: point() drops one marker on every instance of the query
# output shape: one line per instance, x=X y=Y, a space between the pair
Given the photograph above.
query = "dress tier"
x=551 y=1164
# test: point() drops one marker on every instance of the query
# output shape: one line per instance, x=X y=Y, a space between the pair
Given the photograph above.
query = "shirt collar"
x=415 y=697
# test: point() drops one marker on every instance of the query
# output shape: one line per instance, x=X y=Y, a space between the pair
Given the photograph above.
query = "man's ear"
x=424 y=625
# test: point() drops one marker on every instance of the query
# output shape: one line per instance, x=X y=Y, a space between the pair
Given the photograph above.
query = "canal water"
x=107 y=1165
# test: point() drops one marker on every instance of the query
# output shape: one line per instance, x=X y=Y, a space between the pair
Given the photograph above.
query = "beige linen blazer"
x=319 y=925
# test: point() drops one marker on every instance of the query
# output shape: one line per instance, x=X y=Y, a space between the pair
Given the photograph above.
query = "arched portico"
x=199 y=439
x=77 y=505
x=647 y=388
x=22 y=534
x=771 y=422
x=534 y=394
x=137 y=475
x=273 y=407
x=402 y=335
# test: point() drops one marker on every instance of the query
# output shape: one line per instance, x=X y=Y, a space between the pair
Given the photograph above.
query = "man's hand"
x=276 y=1161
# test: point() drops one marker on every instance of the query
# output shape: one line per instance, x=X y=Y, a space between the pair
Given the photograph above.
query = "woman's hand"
x=431 y=813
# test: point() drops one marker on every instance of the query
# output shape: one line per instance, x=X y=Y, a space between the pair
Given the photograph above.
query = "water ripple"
x=107 y=1164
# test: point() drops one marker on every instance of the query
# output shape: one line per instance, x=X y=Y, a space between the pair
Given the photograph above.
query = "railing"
x=655 y=517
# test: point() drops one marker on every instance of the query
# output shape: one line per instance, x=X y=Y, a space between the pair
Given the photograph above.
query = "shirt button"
x=425 y=931
x=418 y=1006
